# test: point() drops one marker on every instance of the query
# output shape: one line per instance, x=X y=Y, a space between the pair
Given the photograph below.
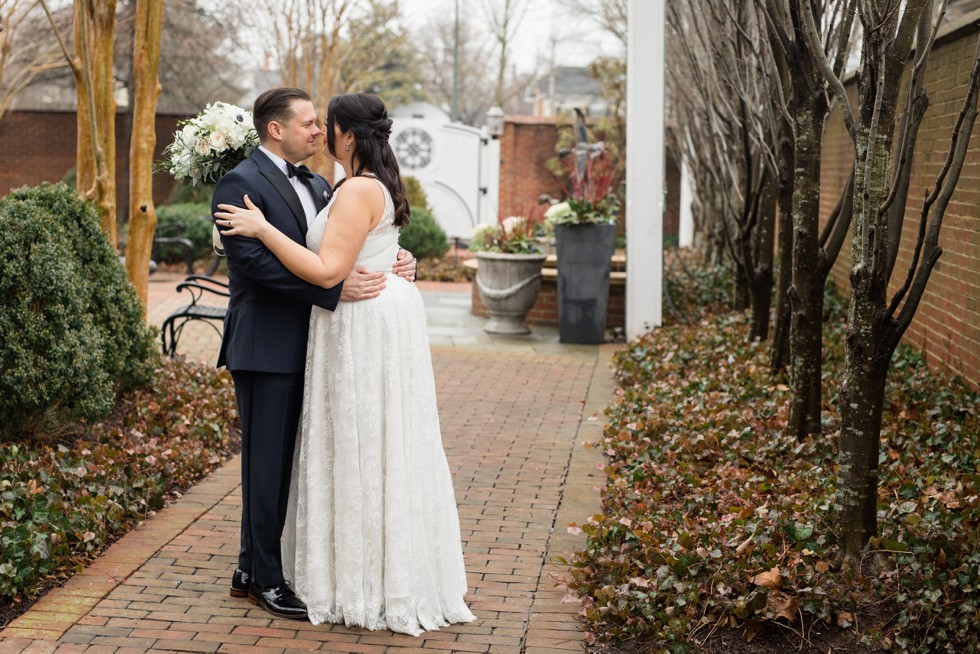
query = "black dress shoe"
x=279 y=600
x=239 y=583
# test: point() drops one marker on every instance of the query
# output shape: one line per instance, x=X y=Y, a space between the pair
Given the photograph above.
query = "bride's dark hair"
x=365 y=115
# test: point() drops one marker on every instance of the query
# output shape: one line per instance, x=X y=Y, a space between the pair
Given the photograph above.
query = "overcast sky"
x=580 y=41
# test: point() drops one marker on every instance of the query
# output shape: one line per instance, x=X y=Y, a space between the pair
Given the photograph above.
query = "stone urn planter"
x=508 y=285
x=584 y=263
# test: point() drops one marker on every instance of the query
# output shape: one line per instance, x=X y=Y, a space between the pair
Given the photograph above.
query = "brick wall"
x=946 y=327
x=545 y=309
x=39 y=146
x=525 y=147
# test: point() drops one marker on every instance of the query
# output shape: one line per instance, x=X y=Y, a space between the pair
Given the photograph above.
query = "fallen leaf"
x=783 y=605
x=744 y=548
x=769 y=579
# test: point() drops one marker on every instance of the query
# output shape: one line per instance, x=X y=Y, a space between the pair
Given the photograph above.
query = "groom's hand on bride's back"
x=405 y=265
x=362 y=285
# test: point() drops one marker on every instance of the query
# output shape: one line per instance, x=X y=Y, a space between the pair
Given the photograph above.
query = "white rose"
x=217 y=141
x=187 y=134
x=202 y=146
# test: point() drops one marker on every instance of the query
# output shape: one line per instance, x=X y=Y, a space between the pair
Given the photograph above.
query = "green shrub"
x=196 y=218
x=423 y=236
x=71 y=327
x=186 y=193
x=414 y=193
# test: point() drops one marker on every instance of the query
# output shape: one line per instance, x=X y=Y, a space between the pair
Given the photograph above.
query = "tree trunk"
x=761 y=282
x=779 y=352
x=865 y=361
x=806 y=293
x=96 y=155
x=740 y=277
x=146 y=92
x=861 y=403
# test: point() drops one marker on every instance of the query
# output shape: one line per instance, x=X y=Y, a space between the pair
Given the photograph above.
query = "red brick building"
x=39 y=146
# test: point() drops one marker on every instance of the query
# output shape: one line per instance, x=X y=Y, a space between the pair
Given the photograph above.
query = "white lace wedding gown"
x=372 y=532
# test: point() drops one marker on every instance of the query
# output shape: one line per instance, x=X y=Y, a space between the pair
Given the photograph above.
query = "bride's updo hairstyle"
x=365 y=115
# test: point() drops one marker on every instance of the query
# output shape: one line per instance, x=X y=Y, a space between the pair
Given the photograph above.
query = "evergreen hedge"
x=196 y=220
x=72 y=332
x=423 y=236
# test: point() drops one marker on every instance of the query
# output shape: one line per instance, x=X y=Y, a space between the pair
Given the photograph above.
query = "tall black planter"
x=584 y=261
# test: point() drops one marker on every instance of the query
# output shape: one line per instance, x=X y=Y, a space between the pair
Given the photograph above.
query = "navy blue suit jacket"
x=269 y=309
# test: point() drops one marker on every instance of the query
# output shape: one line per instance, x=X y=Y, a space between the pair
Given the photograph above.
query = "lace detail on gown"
x=372 y=531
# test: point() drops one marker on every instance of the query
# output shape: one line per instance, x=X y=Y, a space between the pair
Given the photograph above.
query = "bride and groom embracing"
x=348 y=509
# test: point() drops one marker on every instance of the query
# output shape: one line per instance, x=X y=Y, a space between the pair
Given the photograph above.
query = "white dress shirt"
x=302 y=190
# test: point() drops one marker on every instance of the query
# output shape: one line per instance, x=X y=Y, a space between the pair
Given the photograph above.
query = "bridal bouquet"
x=210 y=144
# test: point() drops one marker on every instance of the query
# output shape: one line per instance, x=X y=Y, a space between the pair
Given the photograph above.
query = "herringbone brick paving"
x=514 y=421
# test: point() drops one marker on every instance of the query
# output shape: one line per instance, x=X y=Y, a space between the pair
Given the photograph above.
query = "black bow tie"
x=298 y=171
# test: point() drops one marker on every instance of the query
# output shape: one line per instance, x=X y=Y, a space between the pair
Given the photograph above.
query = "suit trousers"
x=269 y=405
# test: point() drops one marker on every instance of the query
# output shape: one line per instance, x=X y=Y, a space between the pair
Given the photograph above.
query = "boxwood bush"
x=414 y=193
x=72 y=332
x=423 y=236
x=196 y=218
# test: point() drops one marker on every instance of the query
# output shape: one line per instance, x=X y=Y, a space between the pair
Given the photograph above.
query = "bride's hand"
x=236 y=221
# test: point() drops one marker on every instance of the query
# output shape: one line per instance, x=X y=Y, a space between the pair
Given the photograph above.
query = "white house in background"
x=457 y=165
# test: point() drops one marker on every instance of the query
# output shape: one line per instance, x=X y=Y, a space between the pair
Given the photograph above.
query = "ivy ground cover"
x=718 y=532
x=63 y=501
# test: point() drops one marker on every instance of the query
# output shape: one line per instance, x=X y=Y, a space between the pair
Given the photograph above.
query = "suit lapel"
x=281 y=184
x=321 y=191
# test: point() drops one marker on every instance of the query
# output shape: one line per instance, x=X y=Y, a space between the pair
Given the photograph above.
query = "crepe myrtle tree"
x=25 y=50
x=723 y=96
x=90 y=57
x=883 y=132
x=808 y=103
x=146 y=91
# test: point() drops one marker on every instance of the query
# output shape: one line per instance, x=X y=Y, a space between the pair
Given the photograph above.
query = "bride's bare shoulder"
x=360 y=189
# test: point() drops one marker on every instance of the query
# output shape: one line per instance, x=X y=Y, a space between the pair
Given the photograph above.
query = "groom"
x=265 y=331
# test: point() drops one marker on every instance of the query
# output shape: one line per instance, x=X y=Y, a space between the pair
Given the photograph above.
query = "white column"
x=686 y=228
x=644 y=166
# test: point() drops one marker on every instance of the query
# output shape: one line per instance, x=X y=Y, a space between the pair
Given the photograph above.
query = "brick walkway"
x=515 y=414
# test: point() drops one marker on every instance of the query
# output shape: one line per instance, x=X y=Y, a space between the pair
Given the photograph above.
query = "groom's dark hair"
x=274 y=104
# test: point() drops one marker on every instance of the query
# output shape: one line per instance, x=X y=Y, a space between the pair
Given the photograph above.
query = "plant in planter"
x=508 y=274
x=585 y=238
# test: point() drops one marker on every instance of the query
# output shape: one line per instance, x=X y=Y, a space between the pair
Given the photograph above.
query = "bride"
x=372 y=531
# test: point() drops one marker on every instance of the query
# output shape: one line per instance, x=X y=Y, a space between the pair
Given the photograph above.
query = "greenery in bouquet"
x=514 y=235
x=210 y=144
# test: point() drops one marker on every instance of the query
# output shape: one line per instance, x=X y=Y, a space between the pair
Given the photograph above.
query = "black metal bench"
x=197 y=286
x=185 y=245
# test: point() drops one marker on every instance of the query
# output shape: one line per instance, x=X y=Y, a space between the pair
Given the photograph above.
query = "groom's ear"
x=274 y=130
